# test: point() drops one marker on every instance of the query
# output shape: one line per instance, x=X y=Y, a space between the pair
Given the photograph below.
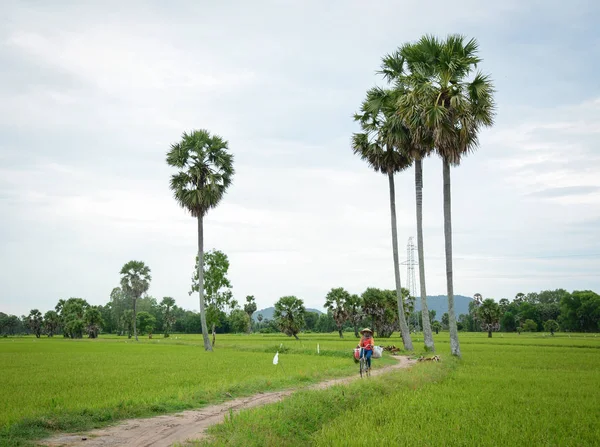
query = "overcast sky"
x=93 y=93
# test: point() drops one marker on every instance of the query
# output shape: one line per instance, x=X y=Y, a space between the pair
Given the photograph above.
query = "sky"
x=92 y=95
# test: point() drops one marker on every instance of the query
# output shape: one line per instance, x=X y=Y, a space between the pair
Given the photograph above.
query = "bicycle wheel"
x=362 y=366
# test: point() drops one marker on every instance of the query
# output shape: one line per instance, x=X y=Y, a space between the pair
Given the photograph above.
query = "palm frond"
x=205 y=171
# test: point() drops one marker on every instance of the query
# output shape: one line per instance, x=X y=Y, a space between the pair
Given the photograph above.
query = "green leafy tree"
x=381 y=144
x=437 y=327
x=93 y=321
x=51 y=322
x=310 y=320
x=167 y=304
x=135 y=281
x=217 y=287
x=145 y=322
x=250 y=308
x=61 y=320
x=9 y=324
x=326 y=323
x=106 y=313
x=551 y=326
x=127 y=322
x=580 y=311
x=508 y=322
x=504 y=303
x=204 y=172
x=72 y=312
x=239 y=321
x=381 y=307
x=289 y=315
x=445 y=320
x=337 y=302
x=530 y=326
x=452 y=105
x=35 y=322
x=489 y=315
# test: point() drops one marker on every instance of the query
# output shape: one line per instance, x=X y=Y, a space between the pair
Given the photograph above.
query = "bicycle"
x=363 y=368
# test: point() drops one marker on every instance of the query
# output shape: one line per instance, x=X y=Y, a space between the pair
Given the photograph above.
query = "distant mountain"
x=439 y=303
x=268 y=313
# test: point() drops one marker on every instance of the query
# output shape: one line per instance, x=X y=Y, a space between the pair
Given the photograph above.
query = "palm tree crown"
x=451 y=103
x=205 y=170
x=135 y=279
x=384 y=139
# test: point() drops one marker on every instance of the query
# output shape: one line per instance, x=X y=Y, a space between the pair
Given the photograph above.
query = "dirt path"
x=163 y=431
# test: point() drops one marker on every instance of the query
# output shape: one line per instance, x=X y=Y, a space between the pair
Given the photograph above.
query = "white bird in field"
x=276 y=358
x=318 y=351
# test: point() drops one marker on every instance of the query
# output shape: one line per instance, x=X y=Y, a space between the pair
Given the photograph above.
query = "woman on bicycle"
x=366 y=344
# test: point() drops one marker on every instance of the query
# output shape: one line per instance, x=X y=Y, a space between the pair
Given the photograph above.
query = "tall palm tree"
x=204 y=172
x=453 y=104
x=135 y=281
x=381 y=145
x=393 y=70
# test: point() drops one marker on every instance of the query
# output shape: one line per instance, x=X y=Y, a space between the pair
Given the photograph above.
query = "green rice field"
x=529 y=389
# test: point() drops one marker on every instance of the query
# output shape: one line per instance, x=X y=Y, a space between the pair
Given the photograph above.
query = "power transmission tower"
x=411 y=282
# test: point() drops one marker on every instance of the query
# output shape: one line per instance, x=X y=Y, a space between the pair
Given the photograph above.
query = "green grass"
x=531 y=389
x=69 y=385
x=510 y=390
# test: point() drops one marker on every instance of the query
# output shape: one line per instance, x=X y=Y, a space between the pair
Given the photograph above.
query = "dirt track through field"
x=163 y=431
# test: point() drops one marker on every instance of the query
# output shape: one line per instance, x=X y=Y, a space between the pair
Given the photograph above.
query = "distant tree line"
x=548 y=310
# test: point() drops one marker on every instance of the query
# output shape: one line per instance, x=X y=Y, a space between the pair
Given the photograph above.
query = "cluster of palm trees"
x=434 y=102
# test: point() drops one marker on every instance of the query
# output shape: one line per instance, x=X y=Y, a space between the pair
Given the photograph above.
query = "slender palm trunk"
x=207 y=346
x=427 y=335
x=214 y=334
x=135 y=320
x=406 y=340
x=454 y=344
x=341 y=333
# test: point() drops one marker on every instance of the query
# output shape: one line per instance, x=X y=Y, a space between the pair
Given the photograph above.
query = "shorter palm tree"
x=289 y=315
x=489 y=315
x=166 y=306
x=337 y=302
x=135 y=281
x=35 y=322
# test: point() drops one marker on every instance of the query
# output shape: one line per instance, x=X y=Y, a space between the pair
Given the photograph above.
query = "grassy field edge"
x=295 y=420
x=28 y=430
